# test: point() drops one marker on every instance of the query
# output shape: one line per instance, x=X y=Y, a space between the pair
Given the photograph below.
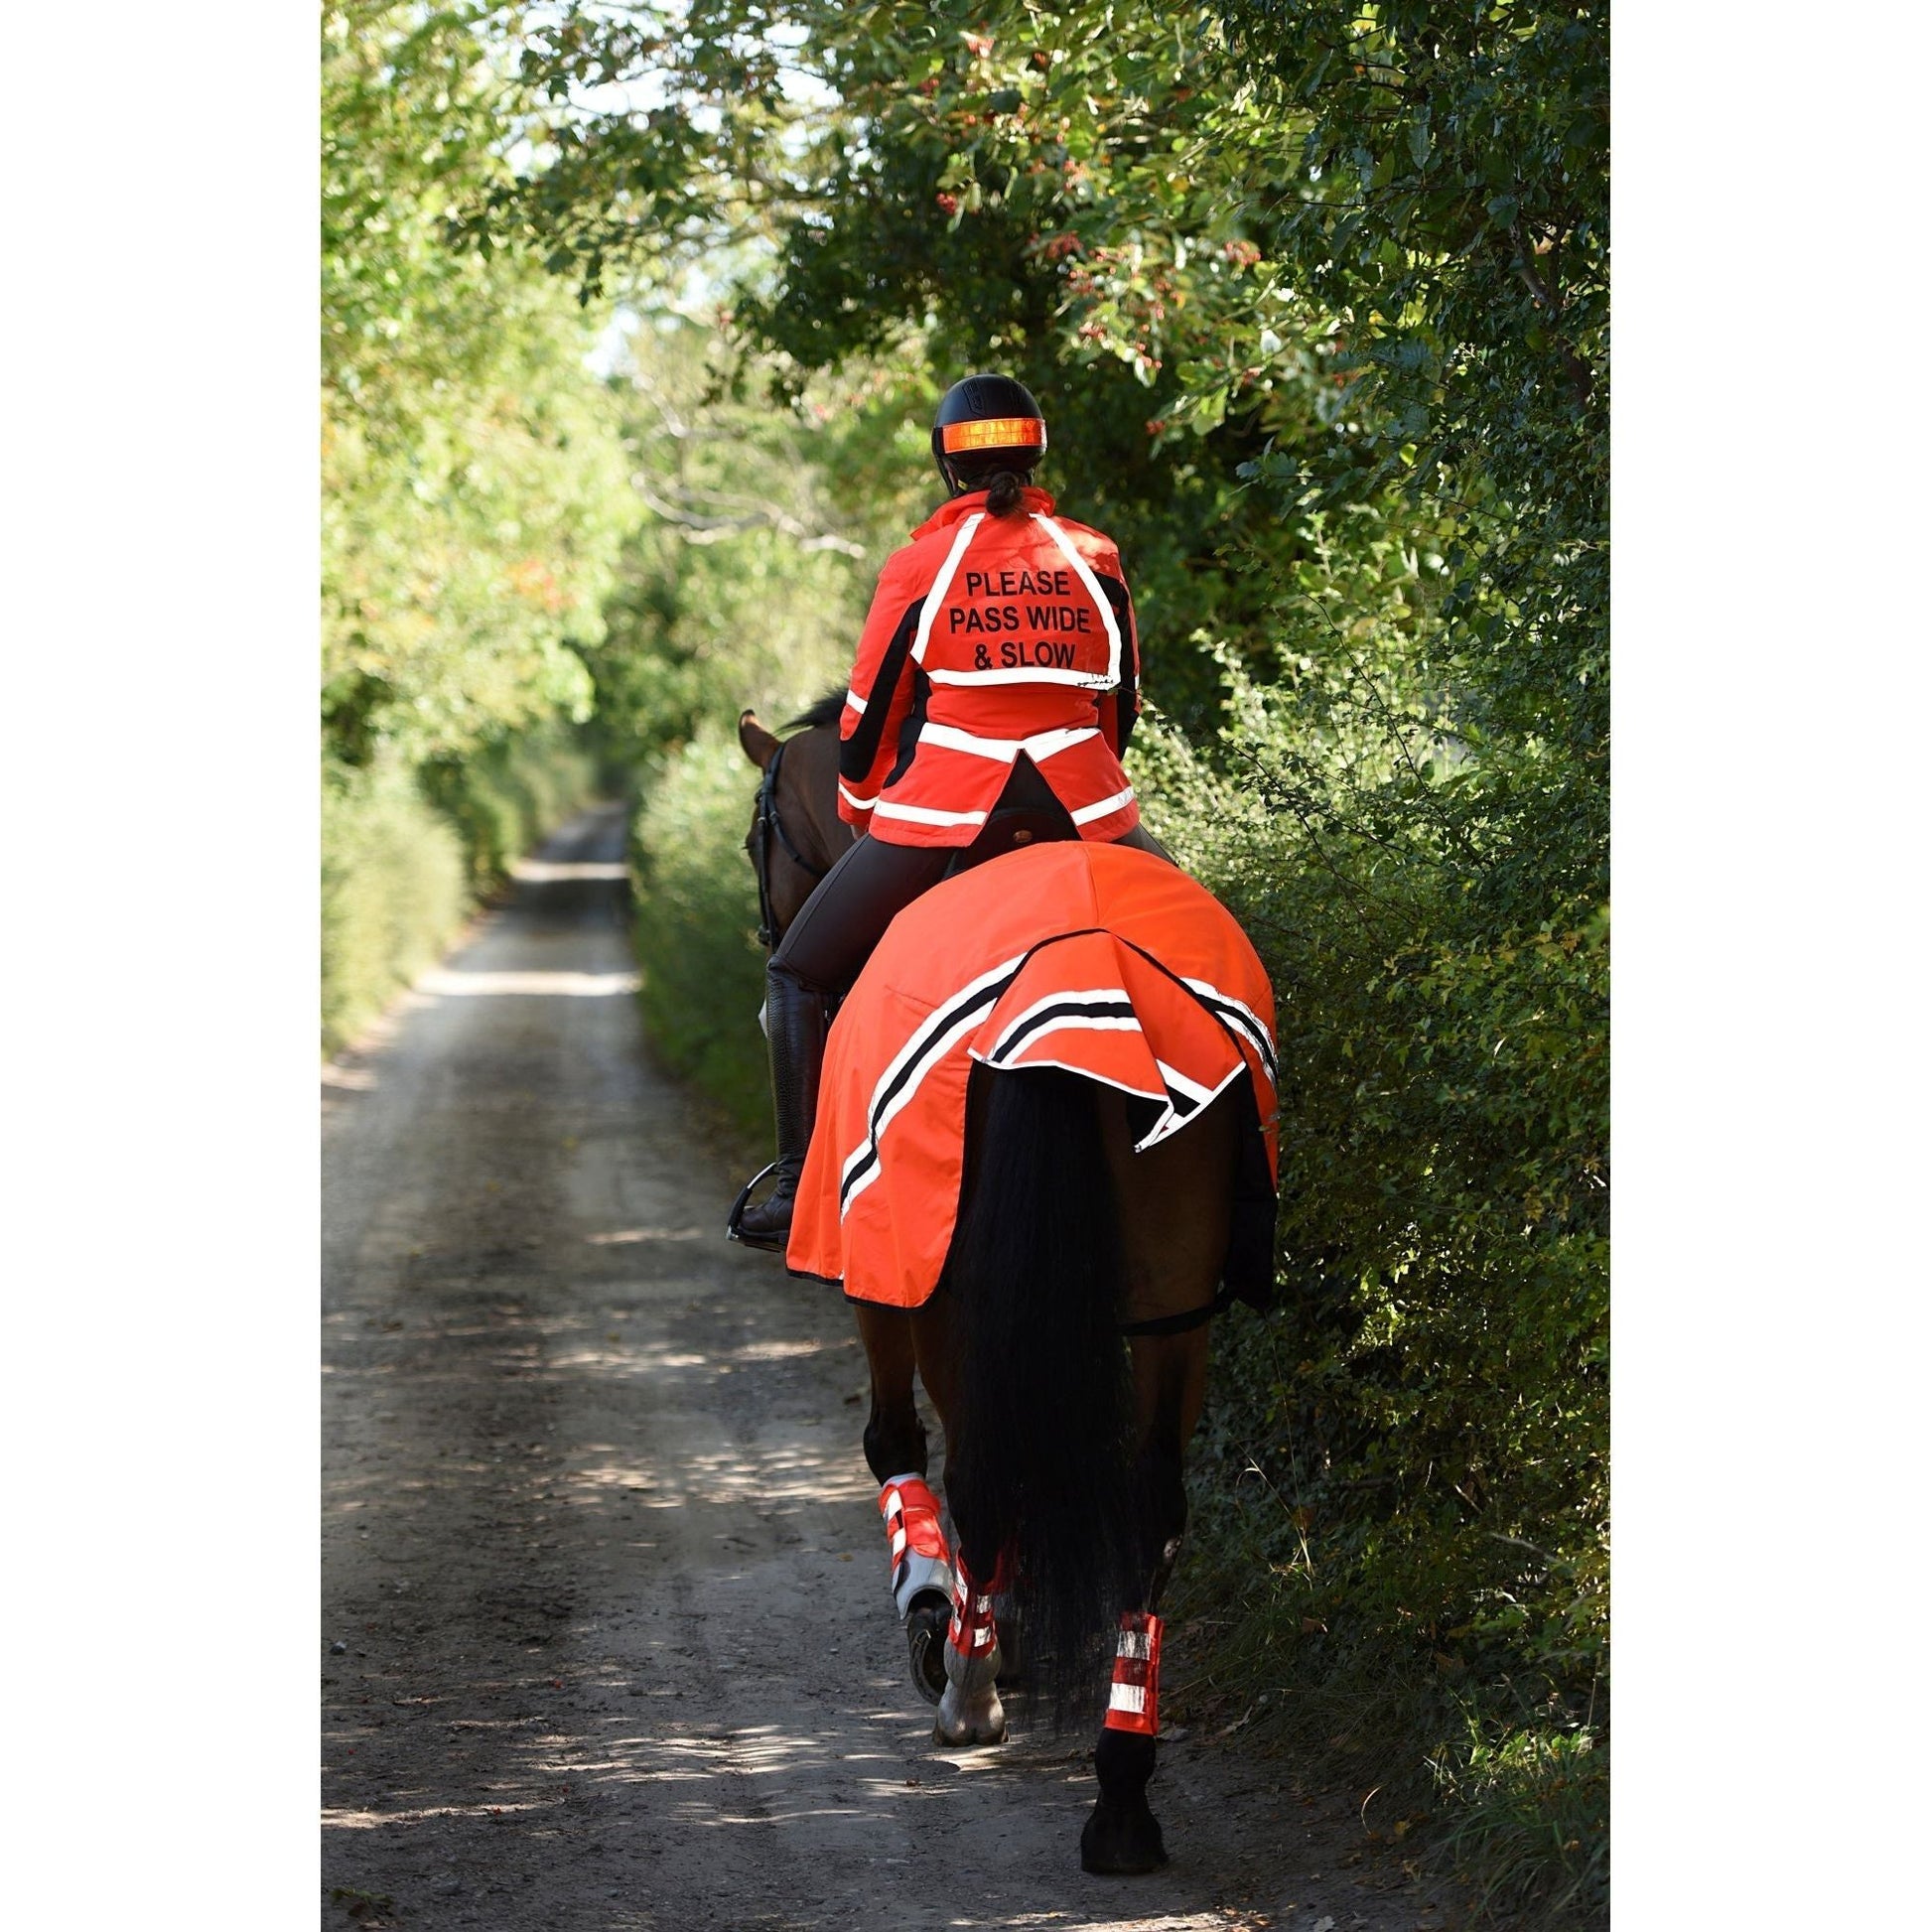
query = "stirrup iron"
x=733 y=1221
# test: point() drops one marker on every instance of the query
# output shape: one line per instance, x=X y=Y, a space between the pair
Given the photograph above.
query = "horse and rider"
x=1038 y=1152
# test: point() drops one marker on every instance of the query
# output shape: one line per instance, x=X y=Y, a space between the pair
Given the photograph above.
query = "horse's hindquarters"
x=1176 y=1207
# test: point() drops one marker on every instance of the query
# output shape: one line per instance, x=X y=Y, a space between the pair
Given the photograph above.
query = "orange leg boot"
x=923 y=1577
x=1122 y=1835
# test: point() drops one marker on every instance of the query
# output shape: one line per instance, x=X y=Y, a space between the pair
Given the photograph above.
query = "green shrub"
x=393 y=892
x=506 y=797
x=1400 y=1554
x=406 y=856
x=697 y=929
x=1530 y=1810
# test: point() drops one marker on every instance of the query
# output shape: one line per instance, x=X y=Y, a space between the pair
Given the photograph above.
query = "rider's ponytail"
x=1003 y=495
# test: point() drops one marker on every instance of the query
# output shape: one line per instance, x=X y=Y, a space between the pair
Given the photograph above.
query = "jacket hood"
x=949 y=513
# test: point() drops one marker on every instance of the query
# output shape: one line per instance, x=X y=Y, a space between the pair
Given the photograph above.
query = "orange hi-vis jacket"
x=989 y=636
x=1102 y=959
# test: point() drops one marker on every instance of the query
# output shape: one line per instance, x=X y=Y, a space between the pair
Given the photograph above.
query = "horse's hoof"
x=1121 y=1841
x=925 y=1642
x=968 y=1736
x=970 y=1712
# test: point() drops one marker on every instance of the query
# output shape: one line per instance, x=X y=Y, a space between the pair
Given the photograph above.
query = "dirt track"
x=602 y=1548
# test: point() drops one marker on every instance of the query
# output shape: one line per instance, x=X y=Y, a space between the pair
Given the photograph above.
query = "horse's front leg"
x=895 y=1452
x=1123 y=1836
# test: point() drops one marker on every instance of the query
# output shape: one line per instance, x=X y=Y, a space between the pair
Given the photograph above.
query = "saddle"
x=1026 y=813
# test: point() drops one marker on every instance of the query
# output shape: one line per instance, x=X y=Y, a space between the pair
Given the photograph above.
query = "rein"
x=767 y=823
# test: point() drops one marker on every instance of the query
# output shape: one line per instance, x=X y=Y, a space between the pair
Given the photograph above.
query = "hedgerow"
x=697 y=921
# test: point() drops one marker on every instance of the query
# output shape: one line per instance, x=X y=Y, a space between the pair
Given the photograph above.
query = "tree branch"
x=767 y=516
x=1546 y=298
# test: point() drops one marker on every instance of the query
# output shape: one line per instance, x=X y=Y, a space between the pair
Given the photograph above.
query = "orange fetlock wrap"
x=972 y=1632
x=1134 y=1703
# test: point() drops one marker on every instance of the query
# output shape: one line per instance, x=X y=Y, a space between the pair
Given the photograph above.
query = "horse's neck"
x=817 y=794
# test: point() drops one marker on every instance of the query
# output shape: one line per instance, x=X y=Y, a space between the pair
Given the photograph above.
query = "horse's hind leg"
x=969 y=1712
x=1175 y=1227
x=895 y=1451
x=894 y=1438
x=1123 y=1835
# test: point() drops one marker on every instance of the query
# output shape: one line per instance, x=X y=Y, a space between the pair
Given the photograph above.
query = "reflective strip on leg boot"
x=969 y=1712
x=973 y=1632
x=1134 y=1703
x=921 y=1563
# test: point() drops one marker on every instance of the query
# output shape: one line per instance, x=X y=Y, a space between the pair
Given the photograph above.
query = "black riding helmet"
x=986 y=424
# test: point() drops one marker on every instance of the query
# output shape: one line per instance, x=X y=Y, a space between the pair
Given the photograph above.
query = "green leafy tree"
x=474 y=498
x=474 y=488
x=761 y=527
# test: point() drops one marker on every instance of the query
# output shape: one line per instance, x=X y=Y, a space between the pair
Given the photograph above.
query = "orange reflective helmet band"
x=993 y=433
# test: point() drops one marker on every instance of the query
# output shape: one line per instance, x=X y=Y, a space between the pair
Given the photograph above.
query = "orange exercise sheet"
x=1102 y=959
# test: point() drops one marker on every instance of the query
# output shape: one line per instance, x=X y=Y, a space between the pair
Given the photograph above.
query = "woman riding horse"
x=998 y=667
x=1031 y=1200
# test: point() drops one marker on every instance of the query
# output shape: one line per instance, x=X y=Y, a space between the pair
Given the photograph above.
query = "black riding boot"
x=795 y=1023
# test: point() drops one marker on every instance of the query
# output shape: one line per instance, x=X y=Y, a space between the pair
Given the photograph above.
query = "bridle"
x=767 y=823
x=763 y=826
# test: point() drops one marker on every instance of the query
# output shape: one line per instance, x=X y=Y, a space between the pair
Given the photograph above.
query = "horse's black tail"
x=1042 y=1415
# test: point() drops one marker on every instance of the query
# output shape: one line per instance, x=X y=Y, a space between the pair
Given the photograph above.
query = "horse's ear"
x=758 y=743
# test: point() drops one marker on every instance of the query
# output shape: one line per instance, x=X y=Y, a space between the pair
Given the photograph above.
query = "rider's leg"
x=1143 y=841
x=827 y=944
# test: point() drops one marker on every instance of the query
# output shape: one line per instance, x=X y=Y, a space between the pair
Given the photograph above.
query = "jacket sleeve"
x=881 y=692
x=1121 y=706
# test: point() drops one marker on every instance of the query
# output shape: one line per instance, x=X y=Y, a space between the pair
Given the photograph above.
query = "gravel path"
x=608 y=1641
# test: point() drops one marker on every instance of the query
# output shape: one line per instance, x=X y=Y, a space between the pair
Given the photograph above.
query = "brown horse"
x=1063 y=1442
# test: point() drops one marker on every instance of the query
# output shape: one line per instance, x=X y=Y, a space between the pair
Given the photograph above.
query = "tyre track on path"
x=600 y=1546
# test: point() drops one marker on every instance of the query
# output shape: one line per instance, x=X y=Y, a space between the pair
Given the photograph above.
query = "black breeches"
x=849 y=910
x=1142 y=840
x=827 y=945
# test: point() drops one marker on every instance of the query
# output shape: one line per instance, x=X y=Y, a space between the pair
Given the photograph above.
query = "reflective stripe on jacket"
x=990 y=637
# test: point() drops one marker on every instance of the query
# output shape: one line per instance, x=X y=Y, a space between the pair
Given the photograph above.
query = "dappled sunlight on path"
x=610 y=1640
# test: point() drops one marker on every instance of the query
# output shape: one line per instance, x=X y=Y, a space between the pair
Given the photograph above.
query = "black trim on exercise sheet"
x=856 y=753
x=1018 y=1036
x=918 y=1063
